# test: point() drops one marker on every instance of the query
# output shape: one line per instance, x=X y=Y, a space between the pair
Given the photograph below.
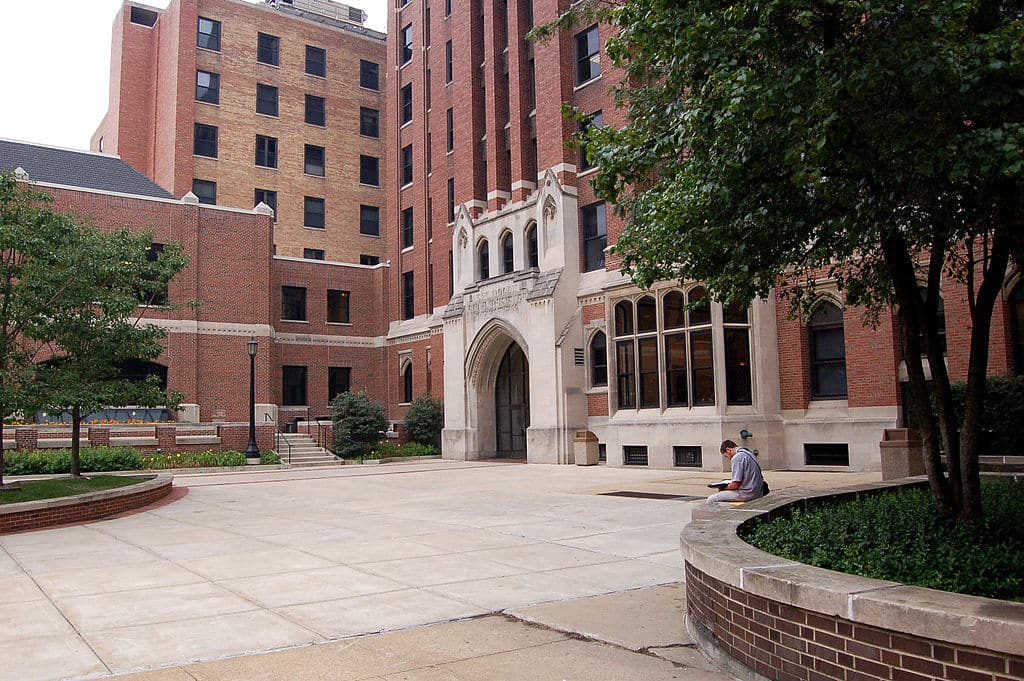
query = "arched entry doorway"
x=512 y=403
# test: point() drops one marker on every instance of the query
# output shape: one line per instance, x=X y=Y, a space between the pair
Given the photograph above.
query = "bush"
x=898 y=536
x=424 y=420
x=358 y=424
x=208 y=459
x=58 y=461
x=269 y=457
x=1004 y=409
x=389 y=450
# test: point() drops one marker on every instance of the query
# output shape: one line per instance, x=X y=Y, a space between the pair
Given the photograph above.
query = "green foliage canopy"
x=358 y=423
x=424 y=420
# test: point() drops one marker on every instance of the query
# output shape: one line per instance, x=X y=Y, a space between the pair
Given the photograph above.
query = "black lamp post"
x=252 y=451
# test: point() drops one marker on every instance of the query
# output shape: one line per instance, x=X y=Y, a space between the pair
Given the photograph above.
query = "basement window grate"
x=634 y=455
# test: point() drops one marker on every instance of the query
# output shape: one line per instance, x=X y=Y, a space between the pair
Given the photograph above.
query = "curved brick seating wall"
x=786 y=621
x=32 y=515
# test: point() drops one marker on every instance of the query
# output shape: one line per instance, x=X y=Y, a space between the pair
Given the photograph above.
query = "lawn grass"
x=34 y=490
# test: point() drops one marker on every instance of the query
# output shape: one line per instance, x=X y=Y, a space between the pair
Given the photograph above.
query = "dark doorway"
x=512 y=403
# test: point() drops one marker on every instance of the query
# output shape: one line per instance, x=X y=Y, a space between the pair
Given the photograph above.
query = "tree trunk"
x=2 y=453
x=76 y=430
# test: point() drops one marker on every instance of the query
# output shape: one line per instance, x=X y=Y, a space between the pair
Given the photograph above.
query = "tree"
x=358 y=422
x=877 y=143
x=424 y=420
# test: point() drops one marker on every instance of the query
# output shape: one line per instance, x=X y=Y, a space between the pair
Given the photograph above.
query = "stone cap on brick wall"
x=155 y=480
x=710 y=544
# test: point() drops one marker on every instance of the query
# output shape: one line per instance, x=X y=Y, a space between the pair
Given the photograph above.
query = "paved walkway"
x=511 y=564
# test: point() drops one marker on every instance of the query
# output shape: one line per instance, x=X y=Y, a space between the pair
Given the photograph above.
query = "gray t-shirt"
x=746 y=472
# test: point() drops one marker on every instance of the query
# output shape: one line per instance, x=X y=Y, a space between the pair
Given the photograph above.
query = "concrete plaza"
x=522 y=571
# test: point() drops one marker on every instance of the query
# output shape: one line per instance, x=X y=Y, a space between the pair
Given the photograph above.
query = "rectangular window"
x=593 y=121
x=430 y=149
x=369 y=170
x=369 y=220
x=827 y=454
x=451 y=200
x=207 y=87
x=316 y=110
x=406 y=43
x=266 y=99
x=266 y=151
x=448 y=71
x=407 y=227
x=626 y=374
x=702 y=368
x=448 y=8
x=688 y=456
x=369 y=259
x=205 y=190
x=677 y=393
x=426 y=90
x=450 y=129
x=369 y=75
x=268 y=49
x=293 y=386
x=369 y=122
x=150 y=293
x=314 y=160
x=312 y=254
x=339 y=380
x=208 y=34
x=588 y=55
x=406 y=104
x=451 y=274
x=595 y=236
x=293 y=303
x=737 y=367
x=204 y=142
x=408 y=296
x=337 y=307
x=649 y=383
x=407 y=164
x=313 y=212
x=316 y=61
x=143 y=17
x=267 y=197
x=634 y=455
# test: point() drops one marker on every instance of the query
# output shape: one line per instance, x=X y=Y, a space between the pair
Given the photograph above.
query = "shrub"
x=898 y=536
x=58 y=461
x=358 y=424
x=269 y=457
x=424 y=420
x=1004 y=409
x=389 y=450
x=208 y=459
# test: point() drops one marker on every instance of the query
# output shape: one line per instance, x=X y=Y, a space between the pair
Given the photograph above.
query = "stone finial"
x=263 y=209
x=21 y=174
x=190 y=198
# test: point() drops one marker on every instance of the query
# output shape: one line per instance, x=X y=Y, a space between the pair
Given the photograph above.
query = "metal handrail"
x=281 y=436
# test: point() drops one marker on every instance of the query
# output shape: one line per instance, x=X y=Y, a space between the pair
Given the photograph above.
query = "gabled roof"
x=72 y=168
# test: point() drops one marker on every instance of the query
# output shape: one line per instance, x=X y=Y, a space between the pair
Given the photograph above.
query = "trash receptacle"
x=585 y=449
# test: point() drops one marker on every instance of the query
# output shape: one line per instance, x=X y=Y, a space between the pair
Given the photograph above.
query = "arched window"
x=674 y=310
x=532 y=259
x=827 y=353
x=702 y=359
x=624 y=318
x=507 y=254
x=407 y=383
x=738 y=389
x=1017 y=328
x=484 y=257
x=598 y=360
x=646 y=315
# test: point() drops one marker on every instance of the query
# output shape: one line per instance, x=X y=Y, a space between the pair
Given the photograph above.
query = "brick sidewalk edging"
x=763 y=616
x=33 y=515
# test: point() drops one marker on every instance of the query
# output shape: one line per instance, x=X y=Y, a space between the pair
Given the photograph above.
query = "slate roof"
x=77 y=169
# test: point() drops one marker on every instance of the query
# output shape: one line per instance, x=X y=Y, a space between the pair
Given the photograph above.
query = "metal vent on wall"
x=578 y=357
x=827 y=454
x=688 y=456
x=634 y=455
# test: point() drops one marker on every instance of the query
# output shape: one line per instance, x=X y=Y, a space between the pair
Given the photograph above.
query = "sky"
x=56 y=56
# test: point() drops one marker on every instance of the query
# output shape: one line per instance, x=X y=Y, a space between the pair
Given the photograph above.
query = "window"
x=737 y=355
x=448 y=62
x=484 y=259
x=408 y=296
x=316 y=61
x=293 y=386
x=451 y=199
x=293 y=303
x=150 y=293
x=406 y=104
x=207 y=87
x=316 y=110
x=826 y=454
x=595 y=236
x=368 y=75
x=339 y=380
x=208 y=34
x=313 y=213
x=688 y=457
x=205 y=190
x=369 y=170
x=266 y=151
x=448 y=8
x=369 y=122
x=266 y=99
x=337 y=307
x=634 y=455
x=588 y=55
x=313 y=253
x=407 y=383
x=451 y=130
x=594 y=121
x=430 y=151
x=407 y=228
x=143 y=17
x=369 y=220
x=268 y=49
x=827 y=352
x=267 y=197
x=532 y=254
x=313 y=159
x=598 y=360
x=507 y=254
x=369 y=259
x=406 y=45
x=407 y=164
x=204 y=141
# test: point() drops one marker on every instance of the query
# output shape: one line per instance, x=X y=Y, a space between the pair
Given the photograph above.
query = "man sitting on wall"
x=747 y=482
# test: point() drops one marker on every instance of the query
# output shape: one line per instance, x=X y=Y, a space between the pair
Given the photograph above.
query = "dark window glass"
x=369 y=170
x=646 y=315
x=369 y=122
x=339 y=380
x=827 y=352
x=507 y=255
x=407 y=235
x=484 y=259
x=702 y=368
x=293 y=386
x=688 y=456
x=316 y=61
x=598 y=360
x=588 y=55
x=448 y=70
x=737 y=367
x=316 y=110
x=204 y=142
x=313 y=253
x=624 y=318
x=143 y=17
x=626 y=376
x=450 y=120
x=407 y=164
x=827 y=454
x=700 y=312
x=407 y=383
x=208 y=34
x=205 y=190
x=406 y=43
x=293 y=303
x=677 y=393
x=268 y=197
x=408 y=296
x=451 y=199
x=266 y=99
x=313 y=213
x=674 y=310
x=647 y=354
x=369 y=220
x=447 y=8
x=337 y=307
x=368 y=75
x=266 y=151
x=406 y=104
x=634 y=455
x=158 y=296
x=595 y=236
x=268 y=49
x=369 y=259
x=594 y=121
x=734 y=313
x=207 y=87
x=314 y=161
x=532 y=254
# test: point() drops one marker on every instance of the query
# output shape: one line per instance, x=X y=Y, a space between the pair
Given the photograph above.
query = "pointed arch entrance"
x=512 y=403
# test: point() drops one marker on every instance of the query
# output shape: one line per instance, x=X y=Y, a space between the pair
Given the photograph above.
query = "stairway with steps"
x=304 y=451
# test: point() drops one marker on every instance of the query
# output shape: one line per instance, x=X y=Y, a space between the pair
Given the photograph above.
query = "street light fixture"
x=252 y=451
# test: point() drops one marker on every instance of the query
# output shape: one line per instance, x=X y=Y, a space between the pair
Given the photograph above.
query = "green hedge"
x=388 y=450
x=102 y=459
x=898 y=536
